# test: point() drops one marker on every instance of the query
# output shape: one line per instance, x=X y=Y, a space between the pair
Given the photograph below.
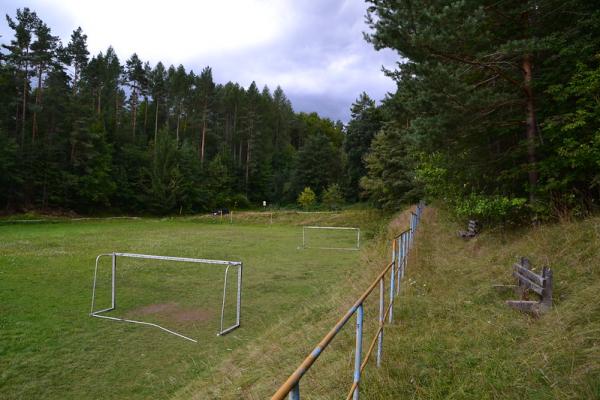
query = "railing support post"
x=400 y=264
x=295 y=393
x=381 y=321
x=358 y=351
x=405 y=260
x=412 y=229
x=399 y=261
x=392 y=281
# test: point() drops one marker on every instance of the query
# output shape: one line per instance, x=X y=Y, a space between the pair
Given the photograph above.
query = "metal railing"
x=401 y=246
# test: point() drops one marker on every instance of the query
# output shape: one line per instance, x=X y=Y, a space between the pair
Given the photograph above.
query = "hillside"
x=459 y=340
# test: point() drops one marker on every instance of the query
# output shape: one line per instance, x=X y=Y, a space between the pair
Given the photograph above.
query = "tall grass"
x=458 y=339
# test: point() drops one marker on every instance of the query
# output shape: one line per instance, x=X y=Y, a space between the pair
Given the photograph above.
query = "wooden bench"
x=472 y=230
x=528 y=281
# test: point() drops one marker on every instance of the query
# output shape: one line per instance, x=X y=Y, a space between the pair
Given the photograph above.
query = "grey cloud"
x=320 y=60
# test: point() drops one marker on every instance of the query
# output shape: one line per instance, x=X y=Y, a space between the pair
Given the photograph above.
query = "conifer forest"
x=496 y=113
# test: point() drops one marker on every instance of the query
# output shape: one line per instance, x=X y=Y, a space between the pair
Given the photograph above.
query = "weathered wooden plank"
x=528 y=283
x=472 y=230
x=538 y=279
x=548 y=287
x=540 y=284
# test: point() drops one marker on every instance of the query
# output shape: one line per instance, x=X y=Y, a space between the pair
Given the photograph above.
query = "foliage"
x=502 y=96
x=390 y=165
x=365 y=123
x=571 y=169
x=238 y=202
x=9 y=176
x=318 y=165
x=492 y=209
x=332 y=197
x=307 y=198
x=94 y=134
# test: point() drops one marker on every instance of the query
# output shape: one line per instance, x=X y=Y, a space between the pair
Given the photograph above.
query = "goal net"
x=150 y=287
x=330 y=238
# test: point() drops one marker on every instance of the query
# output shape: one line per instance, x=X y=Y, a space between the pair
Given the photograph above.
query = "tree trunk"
x=203 y=144
x=247 y=164
x=531 y=126
x=38 y=101
x=75 y=77
x=17 y=114
x=134 y=106
x=248 y=148
x=146 y=116
x=178 y=120
x=116 y=108
x=155 y=129
x=234 y=135
x=156 y=122
x=24 y=105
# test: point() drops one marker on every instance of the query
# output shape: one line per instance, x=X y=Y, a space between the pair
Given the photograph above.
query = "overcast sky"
x=313 y=48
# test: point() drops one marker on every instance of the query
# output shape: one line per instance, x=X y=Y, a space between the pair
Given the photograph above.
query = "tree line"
x=496 y=110
x=91 y=133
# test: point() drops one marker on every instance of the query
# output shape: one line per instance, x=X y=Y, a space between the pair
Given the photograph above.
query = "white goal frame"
x=227 y=264
x=357 y=230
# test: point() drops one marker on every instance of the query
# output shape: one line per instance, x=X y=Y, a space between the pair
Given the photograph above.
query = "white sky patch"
x=339 y=76
x=175 y=30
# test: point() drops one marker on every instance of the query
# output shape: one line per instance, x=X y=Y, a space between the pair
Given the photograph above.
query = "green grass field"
x=50 y=348
x=453 y=337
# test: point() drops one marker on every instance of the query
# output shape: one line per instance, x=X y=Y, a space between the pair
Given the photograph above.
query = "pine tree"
x=365 y=123
x=43 y=52
x=205 y=92
x=77 y=55
x=19 y=58
x=135 y=77
x=158 y=90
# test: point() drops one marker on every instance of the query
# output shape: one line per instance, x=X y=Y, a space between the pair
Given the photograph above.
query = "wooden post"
x=546 y=302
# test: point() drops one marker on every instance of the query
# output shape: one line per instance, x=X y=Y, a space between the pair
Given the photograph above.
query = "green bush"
x=332 y=197
x=307 y=198
x=492 y=209
x=238 y=201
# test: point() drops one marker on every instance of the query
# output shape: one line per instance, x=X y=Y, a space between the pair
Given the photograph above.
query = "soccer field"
x=51 y=348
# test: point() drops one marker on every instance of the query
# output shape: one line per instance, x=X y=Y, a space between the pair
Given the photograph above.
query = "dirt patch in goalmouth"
x=174 y=312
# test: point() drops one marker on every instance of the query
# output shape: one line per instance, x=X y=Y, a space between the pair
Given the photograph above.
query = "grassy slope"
x=50 y=348
x=457 y=339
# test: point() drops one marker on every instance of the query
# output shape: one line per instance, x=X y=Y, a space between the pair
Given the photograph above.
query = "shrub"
x=238 y=201
x=492 y=209
x=307 y=198
x=332 y=197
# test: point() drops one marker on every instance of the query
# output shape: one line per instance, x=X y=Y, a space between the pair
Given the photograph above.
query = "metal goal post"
x=114 y=256
x=304 y=241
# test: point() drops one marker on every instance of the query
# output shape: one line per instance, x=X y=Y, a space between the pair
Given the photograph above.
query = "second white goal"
x=330 y=237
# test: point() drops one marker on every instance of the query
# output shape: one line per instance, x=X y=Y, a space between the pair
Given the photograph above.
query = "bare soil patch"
x=174 y=312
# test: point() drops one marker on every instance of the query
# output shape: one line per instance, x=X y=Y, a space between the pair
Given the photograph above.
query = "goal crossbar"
x=222 y=330
x=357 y=230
